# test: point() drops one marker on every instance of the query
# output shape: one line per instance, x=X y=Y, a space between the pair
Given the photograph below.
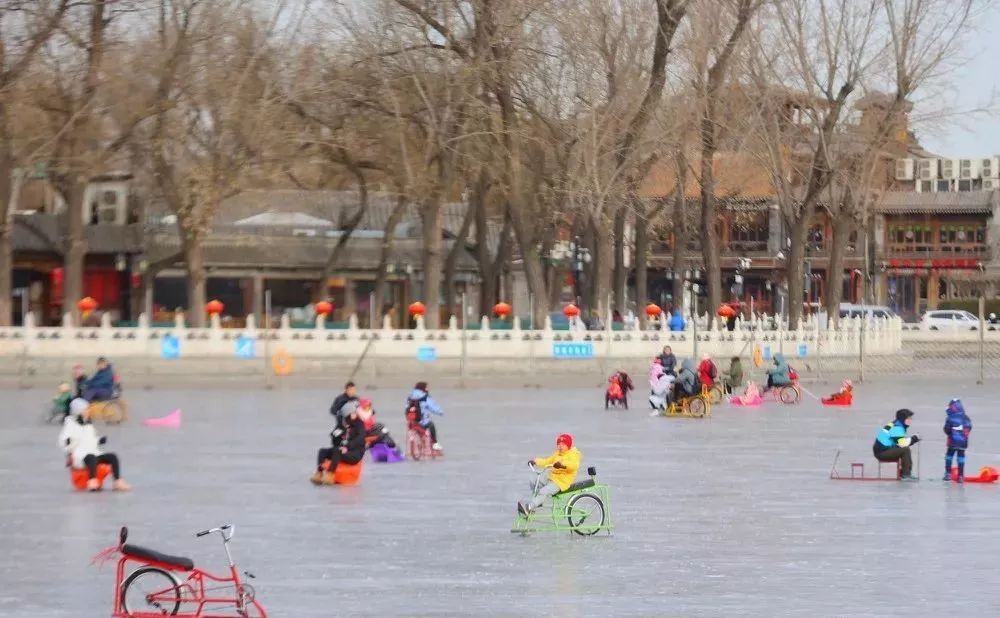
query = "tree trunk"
x=641 y=268
x=709 y=233
x=796 y=269
x=194 y=264
x=6 y=219
x=388 y=239
x=620 y=273
x=835 y=274
x=451 y=262
x=602 y=269
x=680 y=232
x=76 y=250
x=433 y=261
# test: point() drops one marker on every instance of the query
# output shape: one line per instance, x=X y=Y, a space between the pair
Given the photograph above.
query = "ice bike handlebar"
x=223 y=529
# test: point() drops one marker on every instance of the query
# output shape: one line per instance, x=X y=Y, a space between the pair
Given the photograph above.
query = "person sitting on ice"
x=101 y=385
x=843 y=397
x=565 y=462
x=661 y=385
x=79 y=440
x=734 y=377
x=375 y=432
x=347 y=446
x=779 y=374
x=957 y=426
x=420 y=400
x=892 y=444
x=750 y=397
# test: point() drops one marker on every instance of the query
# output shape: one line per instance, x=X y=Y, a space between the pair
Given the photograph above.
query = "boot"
x=328 y=478
x=316 y=478
x=120 y=485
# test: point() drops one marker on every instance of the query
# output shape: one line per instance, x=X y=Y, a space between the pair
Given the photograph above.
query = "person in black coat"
x=348 y=441
x=668 y=360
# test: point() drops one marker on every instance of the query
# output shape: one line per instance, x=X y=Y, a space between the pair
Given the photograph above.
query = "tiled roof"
x=957 y=202
x=43 y=233
x=737 y=177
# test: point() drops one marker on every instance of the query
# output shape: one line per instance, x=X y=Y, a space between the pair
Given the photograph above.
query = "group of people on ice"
x=356 y=429
x=892 y=444
x=668 y=385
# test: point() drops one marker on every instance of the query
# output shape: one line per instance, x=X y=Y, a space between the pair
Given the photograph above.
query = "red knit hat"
x=565 y=438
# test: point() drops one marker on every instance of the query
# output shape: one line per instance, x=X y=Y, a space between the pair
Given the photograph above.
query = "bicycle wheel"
x=151 y=590
x=788 y=394
x=413 y=445
x=695 y=407
x=715 y=395
x=585 y=513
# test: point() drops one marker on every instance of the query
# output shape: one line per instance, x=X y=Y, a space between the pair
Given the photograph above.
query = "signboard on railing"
x=803 y=350
x=246 y=347
x=426 y=354
x=573 y=350
x=170 y=347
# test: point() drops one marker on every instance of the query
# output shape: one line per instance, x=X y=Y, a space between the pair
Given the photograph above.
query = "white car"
x=949 y=319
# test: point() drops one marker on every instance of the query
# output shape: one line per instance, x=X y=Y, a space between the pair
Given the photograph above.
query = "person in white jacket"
x=661 y=386
x=79 y=440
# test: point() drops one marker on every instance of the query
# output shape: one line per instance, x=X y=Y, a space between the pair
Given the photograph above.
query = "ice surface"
x=731 y=516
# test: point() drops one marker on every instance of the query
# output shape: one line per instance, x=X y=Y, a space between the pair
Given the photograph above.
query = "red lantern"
x=214 y=307
x=417 y=308
x=501 y=310
x=653 y=311
x=86 y=305
x=324 y=308
x=571 y=311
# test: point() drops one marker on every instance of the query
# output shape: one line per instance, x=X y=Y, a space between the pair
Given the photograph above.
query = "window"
x=926 y=186
x=965 y=185
x=944 y=185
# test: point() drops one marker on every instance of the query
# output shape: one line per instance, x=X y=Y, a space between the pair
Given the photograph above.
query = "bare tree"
x=38 y=21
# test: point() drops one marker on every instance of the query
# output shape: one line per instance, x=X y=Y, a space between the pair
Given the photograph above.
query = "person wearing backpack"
x=420 y=401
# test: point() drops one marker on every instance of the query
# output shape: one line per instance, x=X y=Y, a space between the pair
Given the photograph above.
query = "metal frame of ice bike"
x=584 y=508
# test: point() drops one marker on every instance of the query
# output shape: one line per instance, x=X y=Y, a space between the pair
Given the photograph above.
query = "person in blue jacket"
x=892 y=444
x=778 y=375
x=957 y=426
x=101 y=385
x=420 y=399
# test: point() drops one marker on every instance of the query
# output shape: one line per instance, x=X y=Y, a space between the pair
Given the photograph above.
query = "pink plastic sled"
x=172 y=420
x=749 y=399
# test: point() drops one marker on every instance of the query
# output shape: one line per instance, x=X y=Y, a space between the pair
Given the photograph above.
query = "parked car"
x=940 y=319
x=848 y=310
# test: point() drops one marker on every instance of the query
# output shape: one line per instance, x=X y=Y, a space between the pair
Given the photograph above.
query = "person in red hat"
x=565 y=462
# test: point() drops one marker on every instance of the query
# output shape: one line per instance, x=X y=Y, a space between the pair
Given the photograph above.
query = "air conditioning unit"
x=991 y=184
x=928 y=169
x=949 y=169
x=968 y=168
x=904 y=169
x=990 y=167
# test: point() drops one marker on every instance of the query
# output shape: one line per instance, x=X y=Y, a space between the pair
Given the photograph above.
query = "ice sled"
x=987 y=474
x=381 y=453
x=172 y=420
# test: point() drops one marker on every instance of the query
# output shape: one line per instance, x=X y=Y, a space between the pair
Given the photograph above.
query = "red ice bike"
x=149 y=583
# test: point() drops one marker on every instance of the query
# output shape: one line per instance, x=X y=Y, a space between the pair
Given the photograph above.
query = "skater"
x=892 y=444
x=707 y=371
x=565 y=461
x=661 y=387
x=421 y=404
x=957 y=426
x=348 y=446
x=780 y=374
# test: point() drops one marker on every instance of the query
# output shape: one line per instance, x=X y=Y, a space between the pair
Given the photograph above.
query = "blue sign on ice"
x=766 y=353
x=803 y=350
x=427 y=353
x=573 y=350
x=246 y=347
x=170 y=347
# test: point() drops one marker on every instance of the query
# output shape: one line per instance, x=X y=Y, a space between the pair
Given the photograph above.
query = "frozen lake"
x=731 y=516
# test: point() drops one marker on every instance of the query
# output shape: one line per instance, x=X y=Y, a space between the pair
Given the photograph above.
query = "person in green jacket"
x=734 y=377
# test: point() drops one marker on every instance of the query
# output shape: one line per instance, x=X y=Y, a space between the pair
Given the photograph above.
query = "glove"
x=336 y=432
x=531 y=462
x=914 y=439
x=558 y=466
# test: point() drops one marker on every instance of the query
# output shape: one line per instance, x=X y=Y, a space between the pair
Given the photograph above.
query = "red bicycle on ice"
x=418 y=439
x=165 y=585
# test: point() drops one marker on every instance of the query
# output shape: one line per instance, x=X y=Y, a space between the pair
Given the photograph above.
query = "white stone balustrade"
x=882 y=336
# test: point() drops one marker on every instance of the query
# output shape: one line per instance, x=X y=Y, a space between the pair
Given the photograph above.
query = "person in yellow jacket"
x=565 y=461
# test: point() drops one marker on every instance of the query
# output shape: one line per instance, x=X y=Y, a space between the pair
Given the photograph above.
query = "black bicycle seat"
x=178 y=562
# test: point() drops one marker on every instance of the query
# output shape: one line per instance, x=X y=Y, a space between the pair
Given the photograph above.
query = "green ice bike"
x=582 y=508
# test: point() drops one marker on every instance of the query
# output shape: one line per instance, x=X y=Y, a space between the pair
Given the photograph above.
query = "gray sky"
x=974 y=85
